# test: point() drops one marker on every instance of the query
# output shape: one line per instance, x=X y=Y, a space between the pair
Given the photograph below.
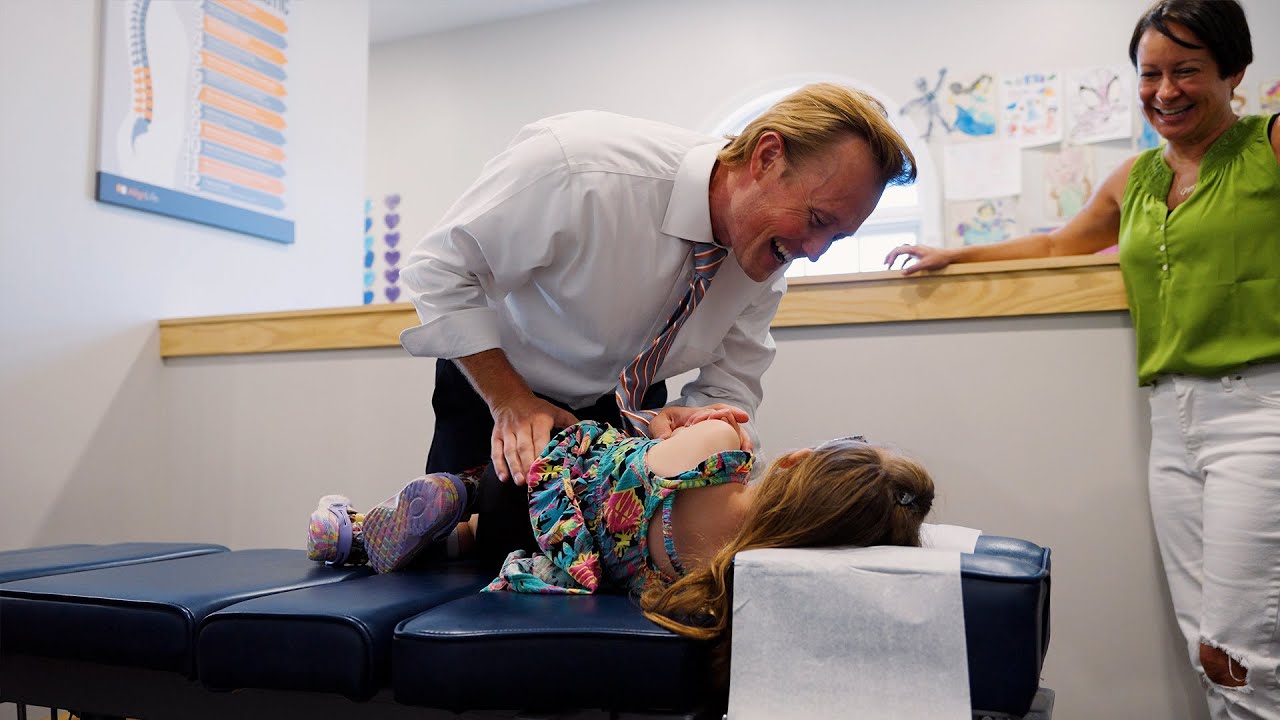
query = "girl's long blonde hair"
x=846 y=492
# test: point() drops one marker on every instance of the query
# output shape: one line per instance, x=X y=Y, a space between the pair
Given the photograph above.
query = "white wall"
x=84 y=427
x=441 y=105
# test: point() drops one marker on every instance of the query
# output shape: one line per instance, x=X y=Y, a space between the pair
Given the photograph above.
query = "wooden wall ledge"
x=995 y=289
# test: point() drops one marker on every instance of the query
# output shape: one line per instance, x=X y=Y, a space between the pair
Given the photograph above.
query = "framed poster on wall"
x=194 y=108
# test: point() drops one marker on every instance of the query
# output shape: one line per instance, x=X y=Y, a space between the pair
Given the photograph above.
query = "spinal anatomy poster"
x=194 y=108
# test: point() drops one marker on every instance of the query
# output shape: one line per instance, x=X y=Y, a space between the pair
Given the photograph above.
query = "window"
x=906 y=215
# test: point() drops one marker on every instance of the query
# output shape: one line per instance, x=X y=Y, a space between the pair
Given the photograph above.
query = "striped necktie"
x=634 y=381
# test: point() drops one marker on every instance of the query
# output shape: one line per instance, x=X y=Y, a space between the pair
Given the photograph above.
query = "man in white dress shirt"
x=567 y=256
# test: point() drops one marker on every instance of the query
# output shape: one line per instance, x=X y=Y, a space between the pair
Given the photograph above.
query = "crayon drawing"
x=1098 y=105
x=981 y=222
x=1239 y=102
x=1068 y=181
x=926 y=104
x=1148 y=137
x=973 y=106
x=977 y=170
x=1269 y=96
x=1031 y=108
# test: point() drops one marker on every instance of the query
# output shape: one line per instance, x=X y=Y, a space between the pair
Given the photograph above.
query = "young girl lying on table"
x=603 y=511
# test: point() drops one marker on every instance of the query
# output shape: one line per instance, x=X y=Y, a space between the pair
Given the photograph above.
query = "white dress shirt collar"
x=689 y=212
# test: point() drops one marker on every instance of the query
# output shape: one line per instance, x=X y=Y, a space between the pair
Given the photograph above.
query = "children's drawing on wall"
x=390 y=240
x=1239 y=102
x=1068 y=181
x=1098 y=105
x=977 y=170
x=973 y=106
x=369 y=274
x=1031 y=108
x=1148 y=137
x=1269 y=96
x=381 y=251
x=981 y=222
x=926 y=104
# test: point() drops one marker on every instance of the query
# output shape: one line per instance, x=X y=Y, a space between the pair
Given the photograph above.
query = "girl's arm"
x=691 y=444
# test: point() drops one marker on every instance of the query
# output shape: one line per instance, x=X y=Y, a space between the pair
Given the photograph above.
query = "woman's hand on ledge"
x=926 y=258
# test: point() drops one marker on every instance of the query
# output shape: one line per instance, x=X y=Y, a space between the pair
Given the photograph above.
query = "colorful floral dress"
x=591 y=498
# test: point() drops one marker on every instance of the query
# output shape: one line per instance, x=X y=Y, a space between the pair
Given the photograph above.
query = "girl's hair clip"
x=906 y=498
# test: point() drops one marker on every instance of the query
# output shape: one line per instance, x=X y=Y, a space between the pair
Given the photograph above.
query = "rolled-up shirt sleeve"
x=500 y=230
x=746 y=353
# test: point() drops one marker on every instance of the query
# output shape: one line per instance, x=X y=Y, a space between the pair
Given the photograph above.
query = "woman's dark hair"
x=1219 y=24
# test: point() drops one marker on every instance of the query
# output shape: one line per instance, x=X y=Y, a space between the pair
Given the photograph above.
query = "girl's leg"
x=503 y=525
x=461 y=440
x=334 y=533
x=425 y=511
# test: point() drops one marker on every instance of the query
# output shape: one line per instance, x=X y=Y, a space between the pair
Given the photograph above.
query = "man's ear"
x=792 y=458
x=770 y=150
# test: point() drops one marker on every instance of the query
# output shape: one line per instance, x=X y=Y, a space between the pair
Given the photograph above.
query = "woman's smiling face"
x=1183 y=95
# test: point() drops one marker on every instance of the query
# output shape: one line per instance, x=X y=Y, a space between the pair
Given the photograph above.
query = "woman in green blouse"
x=1198 y=224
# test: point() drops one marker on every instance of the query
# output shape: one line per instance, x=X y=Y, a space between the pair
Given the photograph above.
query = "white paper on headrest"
x=949 y=537
x=848 y=632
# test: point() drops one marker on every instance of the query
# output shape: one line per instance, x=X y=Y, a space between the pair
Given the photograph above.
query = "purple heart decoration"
x=368 y=259
x=392 y=238
x=392 y=257
x=368 y=297
x=393 y=293
x=392 y=275
x=392 y=220
x=392 y=201
x=368 y=223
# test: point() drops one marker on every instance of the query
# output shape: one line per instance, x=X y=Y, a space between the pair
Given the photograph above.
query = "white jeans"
x=1215 y=499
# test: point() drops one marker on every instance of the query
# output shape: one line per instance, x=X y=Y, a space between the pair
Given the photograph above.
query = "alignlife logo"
x=136 y=193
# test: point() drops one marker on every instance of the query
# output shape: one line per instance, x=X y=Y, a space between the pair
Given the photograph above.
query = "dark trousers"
x=461 y=441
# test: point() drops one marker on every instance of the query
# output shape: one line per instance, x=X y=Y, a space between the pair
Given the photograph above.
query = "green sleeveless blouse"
x=1203 y=281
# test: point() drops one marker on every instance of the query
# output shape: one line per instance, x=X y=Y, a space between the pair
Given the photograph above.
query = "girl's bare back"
x=703 y=519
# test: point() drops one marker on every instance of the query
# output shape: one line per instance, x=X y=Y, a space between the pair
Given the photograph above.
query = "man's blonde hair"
x=816 y=116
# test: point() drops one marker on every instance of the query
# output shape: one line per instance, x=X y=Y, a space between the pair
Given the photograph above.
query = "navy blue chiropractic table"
x=163 y=630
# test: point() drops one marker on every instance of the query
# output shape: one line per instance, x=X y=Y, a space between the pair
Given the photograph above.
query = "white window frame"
x=922 y=220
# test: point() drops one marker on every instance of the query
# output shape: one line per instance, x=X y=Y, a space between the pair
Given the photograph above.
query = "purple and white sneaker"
x=424 y=511
x=334 y=533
